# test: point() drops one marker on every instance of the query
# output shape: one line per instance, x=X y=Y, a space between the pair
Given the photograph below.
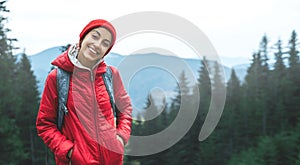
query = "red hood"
x=63 y=61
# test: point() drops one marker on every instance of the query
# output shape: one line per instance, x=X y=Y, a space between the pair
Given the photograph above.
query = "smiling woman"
x=92 y=133
x=94 y=46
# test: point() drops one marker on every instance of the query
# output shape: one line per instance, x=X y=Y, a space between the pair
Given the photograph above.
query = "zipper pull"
x=92 y=76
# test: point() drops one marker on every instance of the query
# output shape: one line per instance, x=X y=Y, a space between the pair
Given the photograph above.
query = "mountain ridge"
x=141 y=72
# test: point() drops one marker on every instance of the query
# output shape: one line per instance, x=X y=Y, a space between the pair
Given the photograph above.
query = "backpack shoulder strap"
x=63 y=80
x=108 y=81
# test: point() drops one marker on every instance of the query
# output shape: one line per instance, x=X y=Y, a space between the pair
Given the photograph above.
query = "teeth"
x=92 y=50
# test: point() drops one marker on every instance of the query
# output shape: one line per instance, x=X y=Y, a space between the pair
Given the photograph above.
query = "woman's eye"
x=106 y=44
x=95 y=36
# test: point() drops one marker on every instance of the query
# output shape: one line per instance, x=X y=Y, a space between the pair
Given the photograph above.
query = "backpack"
x=63 y=81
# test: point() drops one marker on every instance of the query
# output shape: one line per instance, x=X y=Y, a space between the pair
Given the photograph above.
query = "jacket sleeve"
x=123 y=103
x=46 y=122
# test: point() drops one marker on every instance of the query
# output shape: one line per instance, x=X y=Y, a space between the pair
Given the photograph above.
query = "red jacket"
x=89 y=127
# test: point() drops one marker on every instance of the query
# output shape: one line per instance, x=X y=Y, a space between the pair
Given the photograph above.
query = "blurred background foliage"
x=259 y=125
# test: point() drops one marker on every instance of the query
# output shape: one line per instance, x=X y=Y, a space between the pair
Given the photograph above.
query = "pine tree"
x=232 y=118
x=150 y=126
x=181 y=98
x=151 y=117
x=11 y=145
x=218 y=86
x=264 y=87
x=7 y=67
x=204 y=85
x=152 y=121
x=293 y=72
x=188 y=146
x=293 y=51
x=137 y=130
x=257 y=89
x=279 y=91
x=212 y=143
x=28 y=106
x=186 y=150
x=182 y=90
x=252 y=103
x=279 y=62
x=163 y=122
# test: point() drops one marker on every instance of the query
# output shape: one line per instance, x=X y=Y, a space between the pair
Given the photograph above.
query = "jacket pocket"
x=113 y=152
x=108 y=140
x=77 y=157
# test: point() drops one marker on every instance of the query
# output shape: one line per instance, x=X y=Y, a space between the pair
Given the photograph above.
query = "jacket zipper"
x=95 y=113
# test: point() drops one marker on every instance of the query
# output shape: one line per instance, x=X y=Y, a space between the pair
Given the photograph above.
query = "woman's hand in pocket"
x=69 y=156
x=121 y=140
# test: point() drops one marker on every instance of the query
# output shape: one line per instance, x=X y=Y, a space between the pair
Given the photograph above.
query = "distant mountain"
x=143 y=73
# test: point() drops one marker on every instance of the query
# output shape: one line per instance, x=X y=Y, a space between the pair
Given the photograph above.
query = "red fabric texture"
x=89 y=127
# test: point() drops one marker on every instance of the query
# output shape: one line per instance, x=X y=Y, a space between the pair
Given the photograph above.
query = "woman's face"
x=94 y=46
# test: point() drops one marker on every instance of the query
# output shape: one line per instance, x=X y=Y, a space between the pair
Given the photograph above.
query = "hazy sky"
x=234 y=27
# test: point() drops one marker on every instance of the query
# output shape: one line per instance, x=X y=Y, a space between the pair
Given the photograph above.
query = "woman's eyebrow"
x=97 y=32
x=100 y=35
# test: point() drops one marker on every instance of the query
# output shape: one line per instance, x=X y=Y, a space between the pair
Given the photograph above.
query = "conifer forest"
x=260 y=123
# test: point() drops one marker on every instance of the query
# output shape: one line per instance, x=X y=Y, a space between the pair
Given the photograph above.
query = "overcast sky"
x=234 y=27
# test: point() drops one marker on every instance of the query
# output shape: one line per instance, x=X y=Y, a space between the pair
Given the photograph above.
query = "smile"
x=93 y=51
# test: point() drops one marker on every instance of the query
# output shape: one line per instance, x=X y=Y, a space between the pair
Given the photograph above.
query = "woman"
x=90 y=133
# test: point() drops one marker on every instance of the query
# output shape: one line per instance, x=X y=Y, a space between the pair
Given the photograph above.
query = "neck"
x=85 y=62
